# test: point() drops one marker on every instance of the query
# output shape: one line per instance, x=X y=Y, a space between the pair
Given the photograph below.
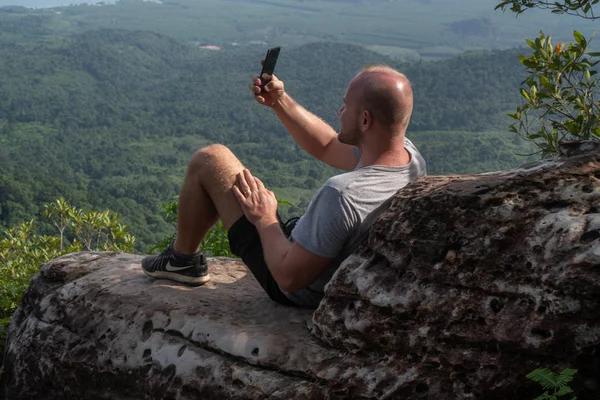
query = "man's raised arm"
x=313 y=134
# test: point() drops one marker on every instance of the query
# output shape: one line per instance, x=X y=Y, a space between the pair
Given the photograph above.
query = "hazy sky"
x=47 y=3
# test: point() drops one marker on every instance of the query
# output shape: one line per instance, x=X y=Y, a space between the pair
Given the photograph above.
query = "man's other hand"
x=272 y=92
x=257 y=202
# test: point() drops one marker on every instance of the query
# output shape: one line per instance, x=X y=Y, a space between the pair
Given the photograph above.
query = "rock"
x=482 y=277
x=464 y=285
x=93 y=326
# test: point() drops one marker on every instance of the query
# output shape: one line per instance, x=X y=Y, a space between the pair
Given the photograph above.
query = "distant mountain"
x=431 y=29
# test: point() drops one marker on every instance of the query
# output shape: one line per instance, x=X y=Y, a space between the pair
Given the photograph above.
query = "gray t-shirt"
x=342 y=211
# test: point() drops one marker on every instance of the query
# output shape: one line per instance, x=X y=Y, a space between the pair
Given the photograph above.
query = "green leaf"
x=538 y=42
x=525 y=94
x=563 y=390
x=544 y=377
x=545 y=82
x=579 y=38
x=533 y=93
x=566 y=376
x=529 y=63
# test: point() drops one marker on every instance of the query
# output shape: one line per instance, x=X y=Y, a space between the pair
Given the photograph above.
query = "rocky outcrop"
x=482 y=277
x=464 y=285
x=93 y=326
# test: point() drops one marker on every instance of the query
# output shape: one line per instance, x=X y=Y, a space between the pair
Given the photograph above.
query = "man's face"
x=349 y=114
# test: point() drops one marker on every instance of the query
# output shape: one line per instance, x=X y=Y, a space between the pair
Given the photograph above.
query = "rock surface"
x=483 y=277
x=93 y=326
x=464 y=285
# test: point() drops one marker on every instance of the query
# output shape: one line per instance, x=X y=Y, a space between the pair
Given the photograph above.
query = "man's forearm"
x=309 y=131
x=275 y=248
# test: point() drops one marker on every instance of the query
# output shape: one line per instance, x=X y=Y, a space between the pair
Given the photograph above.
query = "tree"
x=580 y=8
x=560 y=93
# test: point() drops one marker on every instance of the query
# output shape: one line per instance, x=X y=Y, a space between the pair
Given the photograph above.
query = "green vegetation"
x=23 y=248
x=580 y=8
x=561 y=103
x=108 y=119
x=560 y=97
x=216 y=242
x=555 y=385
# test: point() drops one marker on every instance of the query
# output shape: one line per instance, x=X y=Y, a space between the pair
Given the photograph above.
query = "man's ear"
x=367 y=120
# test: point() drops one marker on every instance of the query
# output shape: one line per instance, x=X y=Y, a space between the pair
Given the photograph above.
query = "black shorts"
x=244 y=242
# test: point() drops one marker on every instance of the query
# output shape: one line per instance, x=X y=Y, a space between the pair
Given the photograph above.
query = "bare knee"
x=213 y=159
x=212 y=152
x=208 y=157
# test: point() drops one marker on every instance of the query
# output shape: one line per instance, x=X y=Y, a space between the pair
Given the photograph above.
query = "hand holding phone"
x=269 y=66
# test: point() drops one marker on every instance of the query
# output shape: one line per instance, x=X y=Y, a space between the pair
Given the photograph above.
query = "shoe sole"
x=190 y=280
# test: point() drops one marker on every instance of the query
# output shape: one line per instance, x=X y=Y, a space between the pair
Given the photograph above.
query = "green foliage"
x=23 y=249
x=87 y=230
x=560 y=98
x=112 y=117
x=216 y=242
x=559 y=95
x=449 y=152
x=555 y=385
x=170 y=214
x=580 y=8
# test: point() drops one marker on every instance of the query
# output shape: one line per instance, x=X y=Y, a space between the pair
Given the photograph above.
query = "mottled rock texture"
x=475 y=280
x=93 y=326
x=464 y=285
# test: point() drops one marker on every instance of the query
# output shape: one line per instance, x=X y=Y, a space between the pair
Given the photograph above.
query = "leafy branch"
x=580 y=8
x=559 y=97
x=557 y=384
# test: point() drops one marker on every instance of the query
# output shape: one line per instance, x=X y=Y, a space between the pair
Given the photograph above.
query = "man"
x=293 y=271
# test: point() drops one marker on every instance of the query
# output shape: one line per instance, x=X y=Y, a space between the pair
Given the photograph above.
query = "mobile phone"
x=269 y=65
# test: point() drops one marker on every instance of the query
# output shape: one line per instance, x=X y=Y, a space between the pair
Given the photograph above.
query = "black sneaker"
x=168 y=265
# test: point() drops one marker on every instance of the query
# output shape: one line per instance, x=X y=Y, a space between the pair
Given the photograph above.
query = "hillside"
x=109 y=118
x=409 y=29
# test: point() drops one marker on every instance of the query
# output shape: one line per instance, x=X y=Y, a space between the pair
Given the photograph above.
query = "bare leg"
x=206 y=196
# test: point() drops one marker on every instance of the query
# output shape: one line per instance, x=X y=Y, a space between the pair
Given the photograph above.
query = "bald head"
x=387 y=94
